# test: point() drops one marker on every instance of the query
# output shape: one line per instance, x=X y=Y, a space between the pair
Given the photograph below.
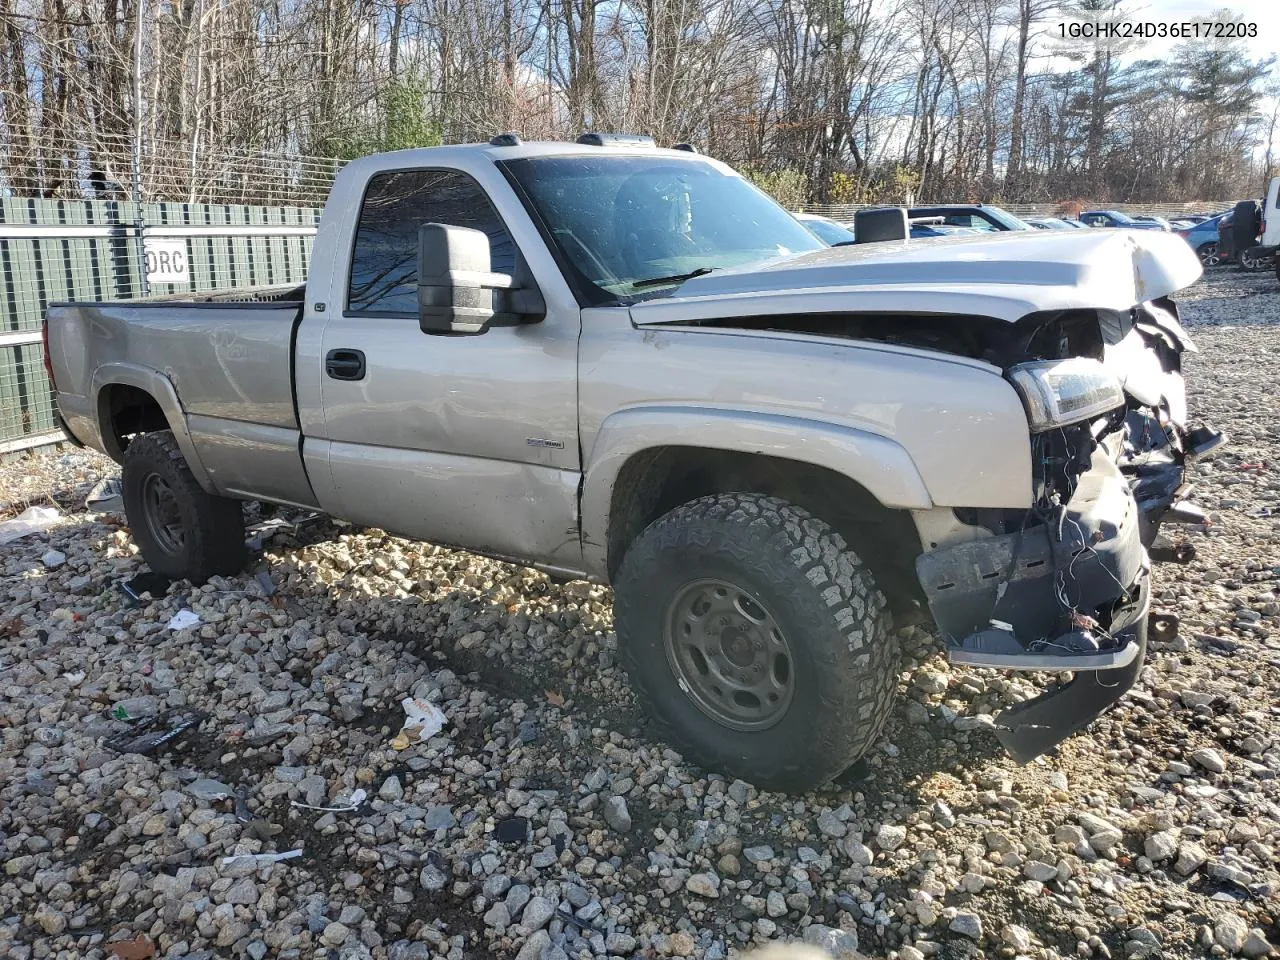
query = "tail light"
x=44 y=345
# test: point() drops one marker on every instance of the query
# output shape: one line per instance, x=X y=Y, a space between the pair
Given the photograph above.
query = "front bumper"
x=1071 y=594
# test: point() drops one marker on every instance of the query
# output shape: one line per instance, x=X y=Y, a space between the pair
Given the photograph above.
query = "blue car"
x=1114 y=218
x=1203 y=238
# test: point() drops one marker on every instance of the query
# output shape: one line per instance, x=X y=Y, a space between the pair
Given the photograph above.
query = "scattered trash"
x=139 y=948
x=120 y=713
x=264 y=530
x=153 y=584
x=358 y=797
x=512 y=830
x=53 y=559
x=555 y=699
x=156 y=733
x=204 y=789
x=422 y=721
x=585 y=925
x=183 y=619
x=262 y=857
x=30 y=520
x=107 y=496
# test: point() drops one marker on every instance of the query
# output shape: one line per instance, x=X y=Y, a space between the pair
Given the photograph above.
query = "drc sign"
x=167 y=260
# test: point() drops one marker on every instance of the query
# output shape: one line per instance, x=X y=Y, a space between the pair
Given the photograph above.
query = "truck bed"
x=229 y=358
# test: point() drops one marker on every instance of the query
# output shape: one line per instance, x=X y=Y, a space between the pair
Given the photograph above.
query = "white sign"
x=167 y=260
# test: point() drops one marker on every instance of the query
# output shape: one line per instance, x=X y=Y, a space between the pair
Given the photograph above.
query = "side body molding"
x=879 y=464
x=161 y=388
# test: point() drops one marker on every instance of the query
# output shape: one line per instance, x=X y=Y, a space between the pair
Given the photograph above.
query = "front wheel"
x=756 y=639
x=1208 y=253
x=182 y=531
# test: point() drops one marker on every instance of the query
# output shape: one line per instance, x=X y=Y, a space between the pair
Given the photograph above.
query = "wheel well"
x=656 y=481
x=126 y=411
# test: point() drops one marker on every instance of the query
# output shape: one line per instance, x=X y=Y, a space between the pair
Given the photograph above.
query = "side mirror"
x=457 y=290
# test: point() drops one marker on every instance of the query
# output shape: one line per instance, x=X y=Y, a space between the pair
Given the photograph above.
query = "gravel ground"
x=545 y=821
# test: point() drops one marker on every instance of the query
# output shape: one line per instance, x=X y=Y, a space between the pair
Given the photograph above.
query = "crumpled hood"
x=1003 y=275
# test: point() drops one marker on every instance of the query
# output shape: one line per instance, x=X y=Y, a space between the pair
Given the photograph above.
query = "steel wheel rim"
x=728 y=655
x=161 y=514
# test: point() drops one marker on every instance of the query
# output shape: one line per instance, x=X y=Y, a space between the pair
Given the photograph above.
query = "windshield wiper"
x=674 y=278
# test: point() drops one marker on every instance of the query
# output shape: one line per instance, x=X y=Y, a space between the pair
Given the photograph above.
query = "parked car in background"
x=825 y=229
x=1048 y=223
x=1203 y=239
x=1147 y=218
x=923 y=228
x=836 y=234
x=1114 y=218
x=978 y=216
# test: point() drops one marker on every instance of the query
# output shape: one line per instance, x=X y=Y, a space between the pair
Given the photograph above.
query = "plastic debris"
x=422 y=721
x=139 y=948
x=512 y=830
x=156 y=733
x=107 y=496
x=145 y=584
x=29 y=521
x=204 y=789
x=183 y=619
x=262 y=857
x=357 y=798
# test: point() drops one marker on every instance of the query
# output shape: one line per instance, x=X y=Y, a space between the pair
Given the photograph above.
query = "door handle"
x=345 y=364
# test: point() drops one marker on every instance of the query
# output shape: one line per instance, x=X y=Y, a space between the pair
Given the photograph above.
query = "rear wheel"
x=182 y=531
x=1253 y=259
x=1208 y=253
x=756 y=639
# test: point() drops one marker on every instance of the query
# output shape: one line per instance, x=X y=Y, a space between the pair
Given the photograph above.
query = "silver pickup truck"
x=626 y=364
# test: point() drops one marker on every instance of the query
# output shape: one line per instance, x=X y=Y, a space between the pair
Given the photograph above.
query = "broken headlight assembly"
x=1057 y=393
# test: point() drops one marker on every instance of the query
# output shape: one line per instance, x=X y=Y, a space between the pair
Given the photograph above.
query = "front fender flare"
x=161 y=389
x=879 y=464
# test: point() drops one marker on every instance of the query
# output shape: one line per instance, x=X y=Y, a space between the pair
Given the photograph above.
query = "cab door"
x=461 y=440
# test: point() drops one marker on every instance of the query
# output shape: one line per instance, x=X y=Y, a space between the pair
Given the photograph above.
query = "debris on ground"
x=422 y=721
x=107 y=496
x=29 y=521
x=153 y=734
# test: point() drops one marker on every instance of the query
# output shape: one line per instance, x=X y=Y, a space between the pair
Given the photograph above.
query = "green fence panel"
x=88 y=250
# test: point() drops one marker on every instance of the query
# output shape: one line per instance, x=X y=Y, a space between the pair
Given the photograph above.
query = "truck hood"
x=1000 y=275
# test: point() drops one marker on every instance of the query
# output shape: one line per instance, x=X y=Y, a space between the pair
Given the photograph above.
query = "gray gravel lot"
x=1155 y=832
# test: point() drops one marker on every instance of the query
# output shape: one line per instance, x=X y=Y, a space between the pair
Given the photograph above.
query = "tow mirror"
x=457 y=290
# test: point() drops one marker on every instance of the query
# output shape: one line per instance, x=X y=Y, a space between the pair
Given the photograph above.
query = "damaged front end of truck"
x=1065 y=584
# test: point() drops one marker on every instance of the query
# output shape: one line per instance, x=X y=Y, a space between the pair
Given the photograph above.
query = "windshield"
x=1119 y=217
x=828 y=231
x=622 y=220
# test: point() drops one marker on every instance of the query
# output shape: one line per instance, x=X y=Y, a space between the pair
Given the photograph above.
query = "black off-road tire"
x=824 y=601
x=211 y=528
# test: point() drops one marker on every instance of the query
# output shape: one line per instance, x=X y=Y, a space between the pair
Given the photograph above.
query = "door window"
x=384 y=256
